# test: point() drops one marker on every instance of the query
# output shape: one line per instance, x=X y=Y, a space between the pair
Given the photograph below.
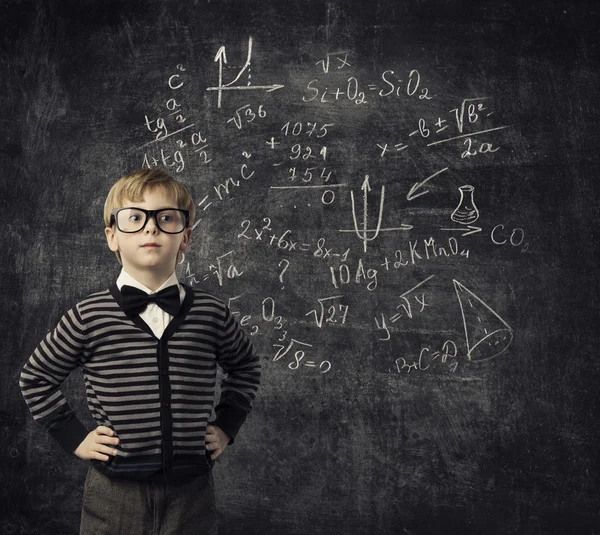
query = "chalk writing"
x=466 y=212
x=186 y=135
x=245 y=115
x=416 y=189
x=297 y=152
x=222 y=269
x=351 y=91
x=515 y=237
x=344 y=275
x=404 y=309
x=287 y=242
x=221 y=60
x=329 y=312
x=219 y=270
x=307 y=129
x=397 y=87
x=298 y=356
x=363 y=232
x=487 y=335
x=223 y=189
x=427 y=359
x=425 y=250
x=340 y=59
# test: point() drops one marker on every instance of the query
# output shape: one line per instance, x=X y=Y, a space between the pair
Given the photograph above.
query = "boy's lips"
x=150 y=245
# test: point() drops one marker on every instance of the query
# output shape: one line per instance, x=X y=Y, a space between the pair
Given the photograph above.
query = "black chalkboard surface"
x=399 y=202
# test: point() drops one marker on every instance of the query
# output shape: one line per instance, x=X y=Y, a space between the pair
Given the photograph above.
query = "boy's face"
x=149 y=252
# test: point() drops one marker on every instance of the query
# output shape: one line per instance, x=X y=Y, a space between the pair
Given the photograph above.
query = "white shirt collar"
x=126 y=278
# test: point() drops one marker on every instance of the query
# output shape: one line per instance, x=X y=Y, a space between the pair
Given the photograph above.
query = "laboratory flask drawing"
x=466 y=213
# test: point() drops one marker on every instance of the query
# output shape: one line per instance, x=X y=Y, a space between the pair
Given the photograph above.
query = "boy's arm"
x=238 y=389
x=47 y=368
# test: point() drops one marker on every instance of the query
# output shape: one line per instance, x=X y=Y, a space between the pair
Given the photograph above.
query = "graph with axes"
x=235 y=84
x=363 y=231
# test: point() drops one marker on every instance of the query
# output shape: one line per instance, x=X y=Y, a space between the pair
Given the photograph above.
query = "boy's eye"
x=135 y=218
x=166 y=218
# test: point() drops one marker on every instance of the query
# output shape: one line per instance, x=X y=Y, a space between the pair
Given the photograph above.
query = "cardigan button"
x=165 y=403
x=164 y=372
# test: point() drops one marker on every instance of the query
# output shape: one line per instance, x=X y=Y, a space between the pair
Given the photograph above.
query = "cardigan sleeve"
x=239 y=387
x=48 y=367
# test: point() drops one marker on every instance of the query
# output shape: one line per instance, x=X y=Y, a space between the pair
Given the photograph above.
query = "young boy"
x=148 y=348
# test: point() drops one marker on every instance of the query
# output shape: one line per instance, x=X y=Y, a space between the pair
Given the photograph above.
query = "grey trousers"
x=117 y=507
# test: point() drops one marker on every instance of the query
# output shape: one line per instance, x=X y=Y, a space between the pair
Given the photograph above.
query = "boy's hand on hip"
x=98 y=444
x=216 y=441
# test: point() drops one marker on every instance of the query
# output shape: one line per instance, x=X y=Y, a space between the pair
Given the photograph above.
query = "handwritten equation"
x=340 y=184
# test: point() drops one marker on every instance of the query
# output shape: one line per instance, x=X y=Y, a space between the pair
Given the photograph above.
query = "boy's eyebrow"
x=155 y=209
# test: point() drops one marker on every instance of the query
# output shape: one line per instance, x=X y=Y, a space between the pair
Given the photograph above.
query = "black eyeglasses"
x=168 y=220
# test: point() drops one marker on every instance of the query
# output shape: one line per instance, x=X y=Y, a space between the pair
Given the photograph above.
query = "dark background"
x=351 y=436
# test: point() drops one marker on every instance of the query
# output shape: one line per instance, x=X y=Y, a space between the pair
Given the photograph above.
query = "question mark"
x=284 y=270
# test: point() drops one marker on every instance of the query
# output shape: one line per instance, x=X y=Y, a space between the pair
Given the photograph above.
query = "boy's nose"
x=151 y=226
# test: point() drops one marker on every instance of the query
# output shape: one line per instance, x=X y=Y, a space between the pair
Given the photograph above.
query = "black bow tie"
x=135 y=301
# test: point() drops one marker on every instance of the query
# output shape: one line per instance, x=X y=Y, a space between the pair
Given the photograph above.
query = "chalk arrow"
x=412 y=194
x=366 y=186
x=466 y=231
x=221 y=56
x=365 y=189
x=269 y=88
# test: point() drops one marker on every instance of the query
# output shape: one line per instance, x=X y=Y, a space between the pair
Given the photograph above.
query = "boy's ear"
x=111 y=239
x=185 y=241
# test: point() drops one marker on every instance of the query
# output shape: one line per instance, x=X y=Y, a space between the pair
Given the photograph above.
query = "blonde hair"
x=133 y=187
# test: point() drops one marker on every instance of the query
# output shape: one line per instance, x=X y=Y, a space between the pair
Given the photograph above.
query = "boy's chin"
x=152 y=266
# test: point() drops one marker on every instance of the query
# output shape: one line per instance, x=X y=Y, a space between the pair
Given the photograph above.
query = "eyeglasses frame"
x=148 y=214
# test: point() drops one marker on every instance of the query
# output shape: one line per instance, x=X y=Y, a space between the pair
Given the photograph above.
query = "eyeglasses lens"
x=133 y=220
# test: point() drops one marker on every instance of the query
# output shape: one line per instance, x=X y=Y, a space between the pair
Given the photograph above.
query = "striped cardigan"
x=156 y=394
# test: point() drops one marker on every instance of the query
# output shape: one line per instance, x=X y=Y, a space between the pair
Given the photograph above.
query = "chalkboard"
x=399 y=203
